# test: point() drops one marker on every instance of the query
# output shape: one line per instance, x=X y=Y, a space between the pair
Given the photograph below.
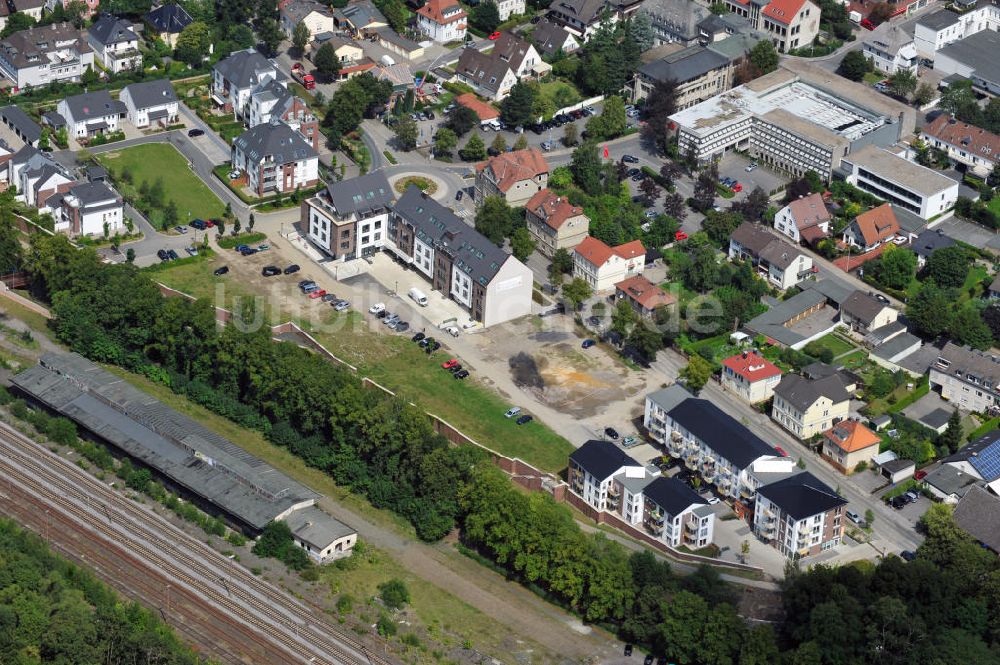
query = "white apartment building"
x=275 y=158
x=91 y=113
x=592 y=469
x=935 y=31
x=790 y=24
x=971 y=146
x=508 y=8
x=150 y=102
x=903 y=183
x=235 y=78
x=602 y=267
x=891 y=50
x=751 y=376
x=799 y=516
x=39 y=56
x=781 y=264
x=86 y=209
x=115 y=44
x=350 y=218
x=967 y=378
x=805 y=219
x=443 y=21
x=36 y=176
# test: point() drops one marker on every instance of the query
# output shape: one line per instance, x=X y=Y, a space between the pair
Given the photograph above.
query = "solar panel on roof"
x=987 y=461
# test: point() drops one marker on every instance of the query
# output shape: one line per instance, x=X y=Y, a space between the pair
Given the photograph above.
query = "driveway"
x=967 y=232
x=734 y=166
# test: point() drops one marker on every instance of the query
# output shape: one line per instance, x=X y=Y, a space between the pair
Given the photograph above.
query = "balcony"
x=676 y=436
x=691 y=462
x=614 y=501
x=576 y=480
x=746 y=492
x=691 y=527
x=654 y=528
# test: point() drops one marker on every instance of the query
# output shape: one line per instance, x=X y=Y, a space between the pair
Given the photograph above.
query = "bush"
x=229 y=242
x=386 y=626
x=394 y=594
x=345 y=603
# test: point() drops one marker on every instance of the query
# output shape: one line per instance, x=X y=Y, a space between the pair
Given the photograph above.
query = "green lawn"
x=559 y=94
x=837 y=345
x=994 y=205
x=160 y=160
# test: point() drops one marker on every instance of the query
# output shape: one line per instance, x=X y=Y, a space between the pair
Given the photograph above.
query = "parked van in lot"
x=418 y=296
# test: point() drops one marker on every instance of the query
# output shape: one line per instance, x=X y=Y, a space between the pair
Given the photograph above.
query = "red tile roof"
x=630 y=250
x=877 y=224
x=435 y=9
x=783 y=11
x=598 y=253
x=962 y=135
x=809 y=211
x=482 y=109
x=641 y=290
x=851 y=436
x=510 y=168
x=752 y=366
x=552 y=209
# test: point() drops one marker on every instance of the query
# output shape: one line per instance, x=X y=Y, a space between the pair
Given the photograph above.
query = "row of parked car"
x=452 y=365
x=904 y=499
x=562 y=119
x=731 y=183
x=391 y=321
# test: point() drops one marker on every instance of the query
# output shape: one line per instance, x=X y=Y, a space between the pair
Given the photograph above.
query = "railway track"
x=298 y=628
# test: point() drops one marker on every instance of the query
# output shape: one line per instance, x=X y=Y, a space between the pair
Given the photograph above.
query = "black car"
x=425 y=341
x=524 y=420
x=429 y=114
x=419 y=336
x=454 y=369
x=628 y=650
x=402 y=326
x=162 y=254
x=432 y=347
x=459 y=194
x=492 y=152
x=594 y=321
x=292 y=269
x=536 y=128
x=630 y=159
x=381 y=315
x=221 y=271
x=198 y=224
x=270 y=271
x=247 y=251
x=196 y=132
x=898 y=502
x=172 y=254
x=611 y=433
x=907 y=555
x=648 y=660
x=461 y=375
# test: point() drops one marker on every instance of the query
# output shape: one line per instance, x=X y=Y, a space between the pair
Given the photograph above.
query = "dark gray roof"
x=836 y=291
x=388 y=34
x=897 y=465
x=246 y=69
x=22 y=122
x=151 y=93
x=585 y=11
x=296 y=10
x=359 y=195
x=38 y=45
x=948 y=479
x=109 y=30
x=896 y=345
x=549 y=37
x=820 y=370
x=601 y=459
x=438 y=226
x=710 y=25
x=862 y=306
x=93 y=105
x=168 y=18
x=678 y=17
x=978 y=514
x=939 y=19
x=720 y=432
x=317 y=528
x=90 y=193
x=276 y=139
x=54 y=119
x=802 y=495
x=978 y=51
x=672 y=495
x=983 y=454
x=190 y=455
x=485 y=69
x=96 y=173
x=360 y=14
x=772 y=322
x=669 y=397
x=802 y=393
x=929 y=242
x=684 y=65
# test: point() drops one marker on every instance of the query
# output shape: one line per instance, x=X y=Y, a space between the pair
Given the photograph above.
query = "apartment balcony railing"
x=654 y=528
x=676 y=436
x=691 y=462
x=614 y=490
x=691 y=527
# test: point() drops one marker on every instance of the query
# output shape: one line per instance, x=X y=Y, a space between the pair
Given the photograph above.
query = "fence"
x=5 y=292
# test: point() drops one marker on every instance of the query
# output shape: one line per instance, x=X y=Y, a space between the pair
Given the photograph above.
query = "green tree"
x=130 y=255
x=462 y=119
x=854 y=66
x=495 y=219
x=586 y=167
x=764 y=57
x=660 y=105
x=577 y=292
x=967 y=327
x=474 y=150
x=170 y=216
x=611 y=123
x=521 y=143
x=696 y=373
x=924 y=94
x=193 y=42
x=623 y=318
x=948 y=267
x=516 y=108
x=951 y=438
x=326 y=62
x=499 y=144
x=562 y=264
x=485 y=16
x=394 y=594
x=570 y=135
x=251 y=221
x=705 y=188
x=930 y=309
x=406 y=133
x=300 y=37
x=895 y=267
x=903 y=83
x=720 y=225
x=445 y=141
x=395 y=13
x=869 y=517
x=17 y=22
x=521 y=243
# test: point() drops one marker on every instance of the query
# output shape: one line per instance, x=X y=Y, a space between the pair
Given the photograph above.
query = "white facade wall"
x=885 y=187
x=604 y=277
x=753 y=392
x=508 y=295
x=139 y=117
x=508 y=8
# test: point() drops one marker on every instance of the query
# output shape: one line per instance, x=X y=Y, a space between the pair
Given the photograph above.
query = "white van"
x=418 y=296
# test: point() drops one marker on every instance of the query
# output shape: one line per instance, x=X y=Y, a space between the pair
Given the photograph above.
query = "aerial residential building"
x=975 y=148
x=551 y=38
x=522 y=57
x=644 y=296
x=979 y=458
x=849 y=443
x=348 y=52
x=806 y=406
x=933 y=32
x=713 y=444
x=21 y=124
x=592 y=468
x=458 y=261
x=872 y=228
x=274 y=101
x=781 y=264
x=443 y=21
x=350 y=218
x=972 y=58
x=275 y=158
x=864 y=313
x=508 y=8
x=513 y=176
x=115 y=44
x=891 y=50
x=35 y=8
x=86 y=209
x=795 y=119
x=978 y=514
x=359 y=18
x=91 y=114
x=805 y=219
x=674 y=21
x=927 y=243
x=489 y=76
x=674 y=514
x=167 y=21
x=554 y=223
x=36 y=176
x=316 y=16
x=698 y=74
x=582 y=18
x=967 y=378
x=799 y=516
x=237 y=76
x=790 y=24
x=42 y=55
x=150 y=102
x=602 y=267
x=903 y=183
x=751 y=376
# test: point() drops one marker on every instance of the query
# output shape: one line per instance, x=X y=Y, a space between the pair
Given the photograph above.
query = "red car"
x=780 y=451
x=680 y=235
x=448 y=364
x=867 y=25
x=920 y=475
x=317 y=294
x=737 y=188
x=495 y=35
x=209 y=223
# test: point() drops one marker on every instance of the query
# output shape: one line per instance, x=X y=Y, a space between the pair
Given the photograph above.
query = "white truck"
x=418 y=296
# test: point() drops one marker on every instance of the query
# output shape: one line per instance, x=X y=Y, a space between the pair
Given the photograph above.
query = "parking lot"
x=733 y=165
x=440 y=310
x=967 y=232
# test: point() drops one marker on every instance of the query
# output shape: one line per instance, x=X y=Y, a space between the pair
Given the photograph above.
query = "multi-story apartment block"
x=458 y=261
x=781 y=264
x=443 y=21
x=891 y=50
x=933 y=32
x=150 y=102
x=275 y=158
x=275 y=101
x=790 y=24
x=508 y=8
x=513 y=176
x=676 y=515
x=799 y=516
x=350 y=218
x=975 y=148
x=805 y=219
x=751 y=376
x=115 y=44
x=674 y=21
x=39 y=56
x=903 y=183
x=602 y=267
x=592 y=470
x=805 y=406
x=86 y=209
x=582 y=17
x=91 y=113
x=967 y=378
x=36 y=176
x=872 y=228
x=712 y=443
x=236 y=77
x=554 y=223
x=698 y=73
